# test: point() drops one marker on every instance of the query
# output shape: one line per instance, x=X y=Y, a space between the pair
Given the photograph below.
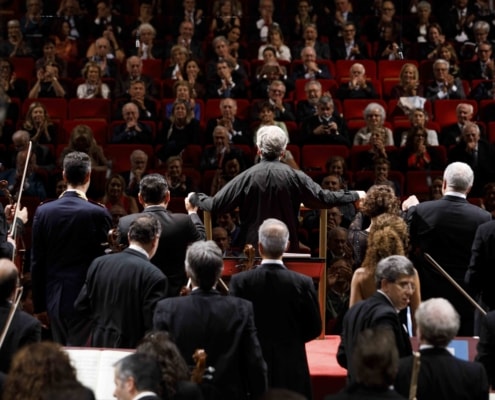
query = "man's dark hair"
x=153 y=188
x=144 y=229
x=77 y=165
x=8 y=282
x=204 y=263
x=143 y=369
x=375 y=358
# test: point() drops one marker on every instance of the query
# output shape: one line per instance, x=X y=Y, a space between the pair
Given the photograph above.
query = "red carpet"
x=327 y=375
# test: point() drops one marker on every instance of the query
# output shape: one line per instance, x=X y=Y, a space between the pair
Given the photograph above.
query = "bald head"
x=8 y=278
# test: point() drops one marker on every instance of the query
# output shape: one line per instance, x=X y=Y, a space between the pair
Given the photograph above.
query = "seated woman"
x=178 y=57
x=276 y=41
x=192 y=74
x=231 y=167
x=147 y=49
x=374 y=115
x=238 y=48
x=184 y=92
x=388 y=236
x=409 y=83
x=419 y=118
x=93 y=87
x=267 y=117
x=417 y=154
x=178 y=131
x=179 y=184
x=224 y=19
x=447 y=52
x=82 y=139
x=65 y=44
x=434 y=37
x=115 y=195
x=41 y=129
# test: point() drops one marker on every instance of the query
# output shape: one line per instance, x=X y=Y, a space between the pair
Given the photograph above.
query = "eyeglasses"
x=277 y=91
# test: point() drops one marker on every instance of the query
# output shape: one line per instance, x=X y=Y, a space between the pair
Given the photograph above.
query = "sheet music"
x=95 y=369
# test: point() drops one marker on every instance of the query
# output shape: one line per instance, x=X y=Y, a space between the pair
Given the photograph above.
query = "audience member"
x=100 y=52
x=441 y=375
x=132 y=130
x=268 y=72
x=478 y=154
x=358 y=87
x=445 y=230
x=105 y=19
x=195 y=14
x=93 y=87
x=139 y=168
x=187 y=39
x=417 y=31
x=177 y=230
x=11 y=84
x=138 y=376
x=417 y=153
x=308 y=107
x=178 y=131
x=259 y=31
x=305 y=16
x=15 y=45
x=71 y=12
x=115 y=195
x=221 y=48
x=145 y=104
x=212 y=157
x=348 y=47
x=288 y=310
x=39 y=125
x=198 y=321
x=178 y=57
x=326 y=127
x=184 y=91
x=38 y=368
x=276 y=94
x=224 y=19
x=395 y=285
x=179 y=183
x=375 y=116
x=452 y=134
x=231 y=167
x=418 y=118
x=444 y=85
x=389 y=46
x=448 y=53
x=338 y=17
x=134 y=68
x=221 y=237
x=483 y=67
x=434 y=37
x=458 y=22
x=24 y=328
x=121 y=290
x=409 y=83
x=193 y=74
x=147 y=49
x=276 y=41
x=273 y=180
x=310 y=69
x=226 y=84
x=50 y=56
x=339 y=274
x=309 y=38
x=237 y=128
x=229 y=221
x=488 y=199
x=47 y=83
x=375 y=26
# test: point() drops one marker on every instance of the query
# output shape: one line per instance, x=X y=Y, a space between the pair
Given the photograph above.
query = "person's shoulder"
x=25 y=319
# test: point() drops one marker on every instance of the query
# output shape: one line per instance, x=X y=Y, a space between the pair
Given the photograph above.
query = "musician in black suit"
x=445 y=229
x=138 y=376
x=24 y=329
x=122 y=289
x=376 y=359
x=441 y=375
x=68 y=234
x=286 y=310
x=394 y=277
x=486 y=346
x=178 y=230
x=221 y=325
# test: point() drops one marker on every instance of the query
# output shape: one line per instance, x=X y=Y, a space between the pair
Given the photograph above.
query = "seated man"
x=310 y=69
x=452 y=134
x=132 y=130
x=238 y=129
x=309 y=106
x=139 y=168
x=444 y=85
x=47 y=83
x=357 y=87
x=146 y=105
x=226 y=84
x=310 y=36
x=326 y=127
x=134 y=69
x=213 y=156
x=276 y=94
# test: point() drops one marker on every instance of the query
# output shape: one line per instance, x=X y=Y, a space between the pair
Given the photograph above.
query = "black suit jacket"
x=241 y=133
x=310 y=124
x=23 y=330
x=339 y=50
x=67 y=236
x=299 y=71
x=178 y=231
x=433 y=89
x=375 y=311
x=359 y=392
x=450 y=135
x=224 y=327
x=486 y=346
x=120 y=295
x=443 y=376
x=445 y=229
x=287 y=315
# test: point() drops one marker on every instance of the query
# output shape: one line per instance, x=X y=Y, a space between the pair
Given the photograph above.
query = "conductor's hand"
x=190 y=207
x=361 y=193
x=409 y=202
